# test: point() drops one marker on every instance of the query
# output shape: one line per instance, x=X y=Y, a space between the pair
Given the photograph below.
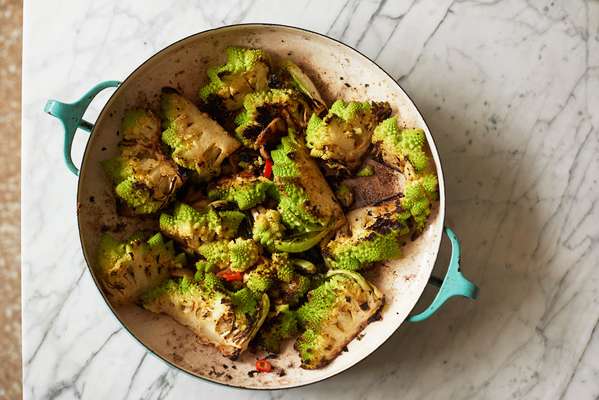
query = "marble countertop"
x=509 y=89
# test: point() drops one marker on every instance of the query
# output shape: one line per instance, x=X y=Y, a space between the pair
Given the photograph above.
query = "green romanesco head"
x=202 y=268
x=216 y=252
x=349 y=111
x=246 y=71
x=285 y=165
x=239 y=254
x=245 y=301
x=245 y=190
x=418 y=199
x=355 y=254
x=308 y=345
x=110 y=251
x=227 y=320
x=140 y=126
x=400 y=145
x=294 y=207
x=267 y=228
x=259 y=280
x=283 y=267
x=335 y=312
x=193 y=227
x=243 y=253
x=212 y=282
x=306 y=201
x=377 y=234
x=138 y=197
x=342 y=137
x=144 y=178
x=320 y=304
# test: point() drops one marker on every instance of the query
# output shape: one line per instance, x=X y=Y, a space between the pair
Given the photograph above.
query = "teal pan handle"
x=454 y=283
x=71 y=116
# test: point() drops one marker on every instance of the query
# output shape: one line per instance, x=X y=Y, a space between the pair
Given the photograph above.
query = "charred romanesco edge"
x=247 y=119
x=261 y=278
x=245 y=300
x=246 y=192
x=197 y=142
x=239 y=60
x=184 y=299
x=408 y=143
x=283 y=326
x=401 y=145
x=283 y=267
x=268 y=228
x=111 y=251
x=239 y=254
x=295 y=290
x=133 y=172
x=345 y=111
x=193 y=227
x=294 y=203
x=343 y=135
x=171 y=287
x=355 y=254
x=323 y=308
x=135 y=265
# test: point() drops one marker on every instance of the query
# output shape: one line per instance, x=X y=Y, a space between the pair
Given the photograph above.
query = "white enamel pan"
x=340 y=72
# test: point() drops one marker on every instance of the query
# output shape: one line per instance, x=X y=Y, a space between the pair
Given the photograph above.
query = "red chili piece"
x=263 y=365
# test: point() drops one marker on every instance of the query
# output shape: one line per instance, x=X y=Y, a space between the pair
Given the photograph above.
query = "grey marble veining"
x=510 y=91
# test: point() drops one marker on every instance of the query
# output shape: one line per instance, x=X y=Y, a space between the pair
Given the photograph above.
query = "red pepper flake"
x=230 y=276
x=268 y=168
x=263 y=365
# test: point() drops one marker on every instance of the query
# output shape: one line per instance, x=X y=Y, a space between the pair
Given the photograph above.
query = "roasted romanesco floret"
x=334 y=314
x=268 y=228
x=260 y=110
x=404 y=149
x=261 y=278
x=281 y=327
x=127 y=269
x=246 y=71
x=377 y=233
x=283 y=267
x=193 y=227
x=306 y=200
x=238 y=255
x=419 y=195
x=246 y=190
x=227 y=321
x=197 y=141
x=144 y=178
x=342 y=137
